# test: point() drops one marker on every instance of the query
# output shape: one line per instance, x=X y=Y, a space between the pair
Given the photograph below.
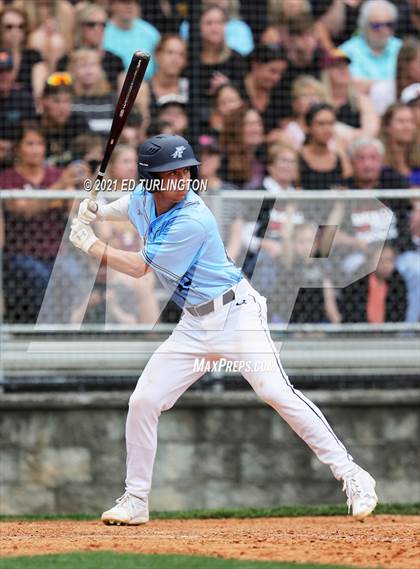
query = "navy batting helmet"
x=166 y=152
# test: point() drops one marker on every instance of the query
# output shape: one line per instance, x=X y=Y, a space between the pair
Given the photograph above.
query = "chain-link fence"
x=321 y=257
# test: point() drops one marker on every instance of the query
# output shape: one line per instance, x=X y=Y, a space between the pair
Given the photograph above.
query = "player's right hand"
x=88 y=211
x=81 y=235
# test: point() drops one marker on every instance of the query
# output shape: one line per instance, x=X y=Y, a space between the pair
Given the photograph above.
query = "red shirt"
x=39 y=235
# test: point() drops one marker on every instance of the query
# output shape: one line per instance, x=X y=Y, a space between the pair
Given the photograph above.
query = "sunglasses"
x=376 y=26
x=282 y=160
x=94 y=24
x=58 y=79
x=14 y=26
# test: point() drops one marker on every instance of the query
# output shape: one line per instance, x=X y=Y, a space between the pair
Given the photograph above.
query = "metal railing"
x=301 y=195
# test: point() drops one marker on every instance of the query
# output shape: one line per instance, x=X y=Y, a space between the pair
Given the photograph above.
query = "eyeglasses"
x=94 y=24
x=280 y=160
x=14 y=26
x=58 y=79
x=376 y=26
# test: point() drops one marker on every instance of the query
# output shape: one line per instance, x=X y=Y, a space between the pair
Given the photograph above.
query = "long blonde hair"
x=352 y=93
x=60 y=10
x=79 y=56
x=120 y=149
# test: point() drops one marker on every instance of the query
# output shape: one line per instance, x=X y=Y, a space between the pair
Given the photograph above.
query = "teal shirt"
x=365 y=64
x=124 y=43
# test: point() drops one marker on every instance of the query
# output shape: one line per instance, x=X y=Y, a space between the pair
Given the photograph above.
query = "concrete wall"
x=64 y=453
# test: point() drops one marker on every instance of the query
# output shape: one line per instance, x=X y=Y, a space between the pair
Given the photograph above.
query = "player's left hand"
x=82 y=235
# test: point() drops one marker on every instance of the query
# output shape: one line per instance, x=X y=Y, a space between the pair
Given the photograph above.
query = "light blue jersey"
x=366 y=64
x=184 y=248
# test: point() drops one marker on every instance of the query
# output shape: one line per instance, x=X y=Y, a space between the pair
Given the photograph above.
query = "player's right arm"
x=83 y=237
x=123 y=261
x=90 y=210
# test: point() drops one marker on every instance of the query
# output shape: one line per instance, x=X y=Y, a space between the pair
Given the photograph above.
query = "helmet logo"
x=179 y=151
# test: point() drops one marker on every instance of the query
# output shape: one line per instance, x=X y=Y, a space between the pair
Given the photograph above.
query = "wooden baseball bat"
x=130 y=88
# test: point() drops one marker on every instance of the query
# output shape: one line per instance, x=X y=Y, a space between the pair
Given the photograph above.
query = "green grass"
x=108 y=560
x=282 y=511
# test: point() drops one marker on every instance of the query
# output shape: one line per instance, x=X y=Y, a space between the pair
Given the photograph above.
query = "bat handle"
x=97 y=184
x=93 y=206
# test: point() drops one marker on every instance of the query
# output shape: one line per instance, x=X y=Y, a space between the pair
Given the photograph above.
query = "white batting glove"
x=89 y=211
x=82 y=235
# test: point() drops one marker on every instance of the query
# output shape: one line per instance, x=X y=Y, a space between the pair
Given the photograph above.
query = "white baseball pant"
x=237 y=331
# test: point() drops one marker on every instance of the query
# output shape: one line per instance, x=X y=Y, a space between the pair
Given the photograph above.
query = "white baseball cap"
x=410 y=93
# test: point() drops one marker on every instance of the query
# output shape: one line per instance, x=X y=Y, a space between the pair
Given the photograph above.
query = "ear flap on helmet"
x=194 y=172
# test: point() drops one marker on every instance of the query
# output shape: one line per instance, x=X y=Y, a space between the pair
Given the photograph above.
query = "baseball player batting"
x=223 y=316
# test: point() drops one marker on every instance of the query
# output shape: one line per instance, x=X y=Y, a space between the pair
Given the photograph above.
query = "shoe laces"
x=353 y=490
x=127 y=497
x=123 y=499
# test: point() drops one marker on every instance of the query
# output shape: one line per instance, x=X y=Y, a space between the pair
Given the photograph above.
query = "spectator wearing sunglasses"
x=29 y=68
x=59 y=122
x=89 y=33
x=374 y=51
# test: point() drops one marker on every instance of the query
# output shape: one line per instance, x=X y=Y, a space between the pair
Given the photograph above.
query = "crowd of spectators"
x=293 y=95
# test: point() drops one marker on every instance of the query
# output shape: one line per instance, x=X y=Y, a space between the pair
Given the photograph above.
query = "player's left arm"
x=90 y=210
x=83 y=237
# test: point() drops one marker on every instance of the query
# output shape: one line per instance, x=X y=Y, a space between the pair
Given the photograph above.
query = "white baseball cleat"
x=129 y=511
x=361 y=495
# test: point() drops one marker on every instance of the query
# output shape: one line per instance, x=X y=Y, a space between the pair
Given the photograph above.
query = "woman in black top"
x=30 y=70
x=321 y=166
x=352 y=108
x=89 y=33
x=218 y=63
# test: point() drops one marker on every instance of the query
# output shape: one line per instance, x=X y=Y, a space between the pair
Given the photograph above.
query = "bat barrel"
x=129 y=91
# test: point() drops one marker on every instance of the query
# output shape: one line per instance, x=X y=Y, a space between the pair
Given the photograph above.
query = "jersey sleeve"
x=116 y=210
x=175 y=249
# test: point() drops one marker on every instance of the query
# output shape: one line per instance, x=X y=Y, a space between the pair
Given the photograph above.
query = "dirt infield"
x=380 y=541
